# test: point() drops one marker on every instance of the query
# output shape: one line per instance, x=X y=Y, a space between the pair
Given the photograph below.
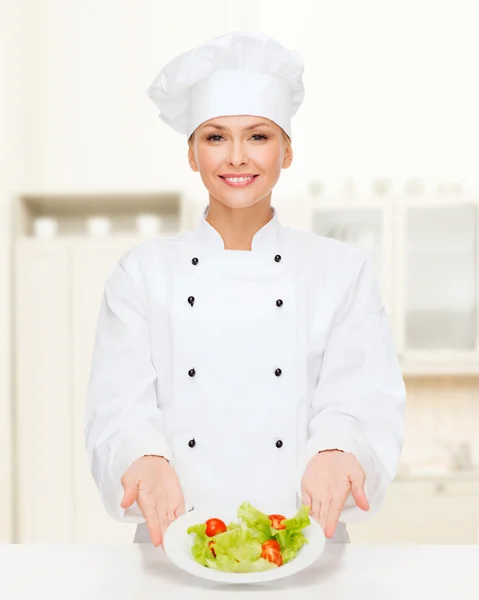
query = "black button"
x=279 y=443
x=192 y=443
x=195 y=261
x=191 y=372
x=191 y=300
x=279 y=302
x=278 y=372
x=277 y=258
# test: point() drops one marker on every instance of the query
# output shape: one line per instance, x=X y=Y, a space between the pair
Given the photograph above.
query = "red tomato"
x=276 y=521
x=211 y=546
x=214 y=526
x=271 y=544
x=273 y=555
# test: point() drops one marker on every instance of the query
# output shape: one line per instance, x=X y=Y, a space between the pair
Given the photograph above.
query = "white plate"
x=177 y=544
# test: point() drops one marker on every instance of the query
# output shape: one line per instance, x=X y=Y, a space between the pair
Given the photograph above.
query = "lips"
x=232 y=175
x=238 y=180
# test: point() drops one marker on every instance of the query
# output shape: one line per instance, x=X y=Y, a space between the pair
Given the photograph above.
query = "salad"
x=257 y=542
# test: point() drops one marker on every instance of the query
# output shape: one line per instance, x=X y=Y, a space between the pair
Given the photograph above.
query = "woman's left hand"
x=326 y=484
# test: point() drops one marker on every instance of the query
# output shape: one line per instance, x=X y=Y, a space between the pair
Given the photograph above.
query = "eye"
x=258 y=137
x=213 y=135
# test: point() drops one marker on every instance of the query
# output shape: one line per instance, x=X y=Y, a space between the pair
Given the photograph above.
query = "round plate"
x=177 y=544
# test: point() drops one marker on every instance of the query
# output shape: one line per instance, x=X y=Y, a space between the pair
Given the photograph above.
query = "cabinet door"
x=43 y=418
x=92 y=264
x=438 y=289
x=367 y=228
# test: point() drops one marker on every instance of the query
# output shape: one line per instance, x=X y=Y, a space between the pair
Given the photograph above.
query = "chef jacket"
x=238 y=366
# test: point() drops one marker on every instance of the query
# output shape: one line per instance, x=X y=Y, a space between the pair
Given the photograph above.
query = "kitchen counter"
x=141 y=571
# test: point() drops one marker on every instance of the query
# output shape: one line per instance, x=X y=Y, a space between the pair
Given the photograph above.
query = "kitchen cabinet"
x=442 y=511
x=425 y=250
x=59 y=285
x=43 y=408
x=438 y=285
x=367 y=226
x=58 y=291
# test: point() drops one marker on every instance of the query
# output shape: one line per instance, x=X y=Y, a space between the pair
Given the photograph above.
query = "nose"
x=236 y=155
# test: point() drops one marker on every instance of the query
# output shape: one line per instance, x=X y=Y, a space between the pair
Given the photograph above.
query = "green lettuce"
x=239 y=548
x=292 y=539
x=256 y=521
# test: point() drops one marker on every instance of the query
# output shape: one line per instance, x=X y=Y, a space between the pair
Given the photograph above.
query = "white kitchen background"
x=386 y=153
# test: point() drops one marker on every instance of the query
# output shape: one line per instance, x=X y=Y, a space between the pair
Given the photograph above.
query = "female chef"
x=242 y=360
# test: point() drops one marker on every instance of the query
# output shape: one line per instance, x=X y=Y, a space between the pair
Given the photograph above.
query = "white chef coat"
x=239 y=366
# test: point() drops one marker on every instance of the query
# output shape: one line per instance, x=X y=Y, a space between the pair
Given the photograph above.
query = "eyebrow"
x=222 y=128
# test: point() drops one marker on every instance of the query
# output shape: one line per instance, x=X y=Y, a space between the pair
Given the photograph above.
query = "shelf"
x=71 y=212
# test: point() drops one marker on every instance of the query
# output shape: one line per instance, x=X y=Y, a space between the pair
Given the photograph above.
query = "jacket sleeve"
x=123 y=420
x=359 y=401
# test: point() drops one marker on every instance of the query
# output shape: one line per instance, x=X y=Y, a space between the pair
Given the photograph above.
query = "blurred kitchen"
x=386 y=159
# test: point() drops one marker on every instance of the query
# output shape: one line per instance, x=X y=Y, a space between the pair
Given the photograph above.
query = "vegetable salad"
x=256 y=542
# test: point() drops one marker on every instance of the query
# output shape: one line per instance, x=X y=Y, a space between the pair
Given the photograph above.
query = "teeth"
x=238 y=179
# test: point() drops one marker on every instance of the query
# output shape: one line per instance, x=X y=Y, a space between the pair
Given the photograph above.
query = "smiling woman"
x=242 y=360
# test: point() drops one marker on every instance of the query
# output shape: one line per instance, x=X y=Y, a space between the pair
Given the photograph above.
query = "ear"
x=191 y=157
x=288 y=156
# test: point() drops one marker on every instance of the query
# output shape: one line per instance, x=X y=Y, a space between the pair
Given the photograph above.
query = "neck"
x=237 y=226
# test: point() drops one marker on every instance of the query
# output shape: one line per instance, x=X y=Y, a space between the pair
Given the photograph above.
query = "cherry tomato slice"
x=211 y=546
x=214 y=526
x=273 y=555
x=271 y=544
x=276 y=521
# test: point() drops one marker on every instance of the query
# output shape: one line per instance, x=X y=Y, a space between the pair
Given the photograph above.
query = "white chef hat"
x=239 y=73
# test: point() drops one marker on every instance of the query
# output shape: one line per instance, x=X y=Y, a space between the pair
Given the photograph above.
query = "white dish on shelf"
x=148 y=224
x=98 y=226
x=177 y=544
x=45 y=227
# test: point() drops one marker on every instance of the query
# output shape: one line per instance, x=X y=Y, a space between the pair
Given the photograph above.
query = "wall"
x=92 y=126
x=374 y=105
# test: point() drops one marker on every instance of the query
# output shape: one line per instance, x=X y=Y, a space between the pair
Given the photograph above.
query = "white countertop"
x=141 y=572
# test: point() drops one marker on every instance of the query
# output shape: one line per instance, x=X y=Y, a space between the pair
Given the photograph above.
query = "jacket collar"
x=265 y=240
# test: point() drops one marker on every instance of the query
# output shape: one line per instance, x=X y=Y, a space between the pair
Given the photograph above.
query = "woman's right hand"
x=154 y=484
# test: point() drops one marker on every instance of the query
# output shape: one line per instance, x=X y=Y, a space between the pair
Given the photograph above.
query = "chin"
x=239 y=203
x=240 y=200
x=237 y=200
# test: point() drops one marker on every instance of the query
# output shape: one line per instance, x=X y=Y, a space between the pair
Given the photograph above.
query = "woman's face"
x=239 y=146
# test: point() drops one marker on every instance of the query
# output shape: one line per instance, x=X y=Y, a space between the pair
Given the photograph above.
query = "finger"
x=153 y=523
x=315 y=509
x=170 y=516
x=334 y=513
x=180 y=509
x=306 y=500
x=359 y=494
x=163 y=521
x=324 y=512
x=129 y=495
